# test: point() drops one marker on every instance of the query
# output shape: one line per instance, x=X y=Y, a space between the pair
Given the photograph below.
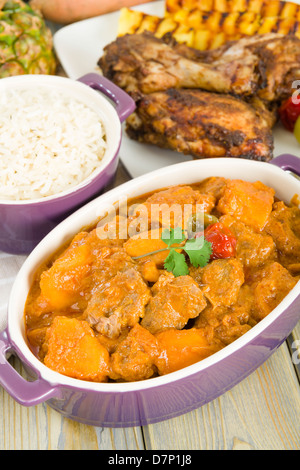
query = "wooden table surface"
x=260 y=413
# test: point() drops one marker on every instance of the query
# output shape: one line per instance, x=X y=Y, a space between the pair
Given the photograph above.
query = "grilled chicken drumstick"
x=264 y=65
x=142 y=62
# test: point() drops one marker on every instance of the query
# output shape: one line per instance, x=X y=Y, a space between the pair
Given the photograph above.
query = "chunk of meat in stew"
x=221 y=280
x=283 y=227
x=272 y=284
x=213 y=185
x=134 y=358
x=227 y=323
x=107 y=264
x=252 y=249
x=173 y=302
x=119 y=304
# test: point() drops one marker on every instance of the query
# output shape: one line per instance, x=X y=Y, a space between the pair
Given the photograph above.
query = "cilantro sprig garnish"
x=175 y=262
x=198 y=250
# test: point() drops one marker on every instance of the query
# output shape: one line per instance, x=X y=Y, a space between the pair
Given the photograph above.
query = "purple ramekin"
x=159 y=398
x=25 y=223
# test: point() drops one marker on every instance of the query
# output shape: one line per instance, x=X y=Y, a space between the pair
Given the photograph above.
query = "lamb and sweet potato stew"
x=155 y=289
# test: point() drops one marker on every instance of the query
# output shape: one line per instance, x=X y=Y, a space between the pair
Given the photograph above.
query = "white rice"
x=49 y=143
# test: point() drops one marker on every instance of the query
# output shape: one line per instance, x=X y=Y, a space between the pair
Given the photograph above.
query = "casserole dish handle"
x=24 y=392
x=125 y=105
x=287 y=162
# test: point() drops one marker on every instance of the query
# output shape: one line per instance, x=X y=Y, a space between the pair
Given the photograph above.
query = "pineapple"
x=25 y=41
x=264 y=8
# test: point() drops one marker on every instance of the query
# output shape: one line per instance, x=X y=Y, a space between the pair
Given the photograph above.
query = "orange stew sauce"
x=108 y=307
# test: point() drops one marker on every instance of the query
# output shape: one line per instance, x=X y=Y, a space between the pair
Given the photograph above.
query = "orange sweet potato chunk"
x=181 y=348
x=60 y=285
x=74 y=350
x=251 y=203
x=147 y=242
x=140 y=245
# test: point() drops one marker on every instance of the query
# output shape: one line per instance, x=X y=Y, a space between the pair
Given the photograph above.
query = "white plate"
x=79 y=47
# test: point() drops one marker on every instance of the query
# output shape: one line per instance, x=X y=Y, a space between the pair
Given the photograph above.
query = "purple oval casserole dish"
x=159 y=398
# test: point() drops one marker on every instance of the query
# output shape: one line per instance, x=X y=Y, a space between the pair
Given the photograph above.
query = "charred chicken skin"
x=277 y=62
x=202 y=124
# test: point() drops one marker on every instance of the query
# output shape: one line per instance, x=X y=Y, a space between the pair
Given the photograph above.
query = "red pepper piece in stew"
x=222 y=240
